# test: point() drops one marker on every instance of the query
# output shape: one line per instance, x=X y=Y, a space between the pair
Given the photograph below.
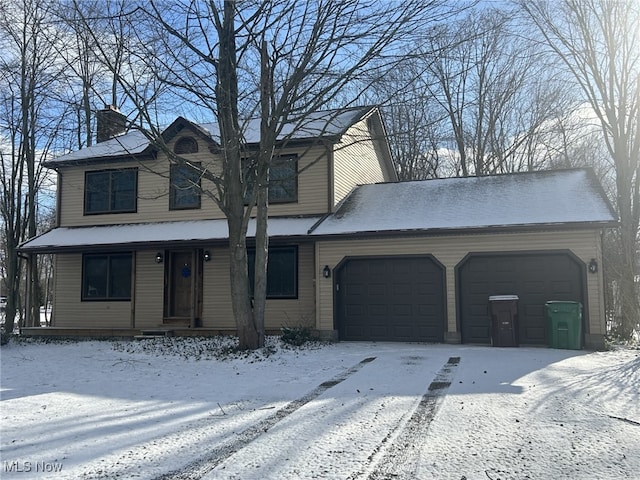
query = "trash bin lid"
x=503 y=298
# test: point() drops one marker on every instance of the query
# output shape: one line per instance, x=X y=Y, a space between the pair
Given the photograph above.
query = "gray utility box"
x=504 y=320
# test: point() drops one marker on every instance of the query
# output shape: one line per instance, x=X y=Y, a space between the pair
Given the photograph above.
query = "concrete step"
x=155 y=333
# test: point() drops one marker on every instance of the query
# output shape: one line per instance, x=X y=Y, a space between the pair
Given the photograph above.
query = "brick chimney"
x=110 y=122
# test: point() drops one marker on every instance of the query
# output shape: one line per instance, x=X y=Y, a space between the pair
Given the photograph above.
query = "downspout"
x=195 y=259
x=58 y=198
x=603 y=285
x=330 y=179
x=134 y=282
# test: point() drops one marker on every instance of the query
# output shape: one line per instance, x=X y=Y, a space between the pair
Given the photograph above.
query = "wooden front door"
x=182 y=286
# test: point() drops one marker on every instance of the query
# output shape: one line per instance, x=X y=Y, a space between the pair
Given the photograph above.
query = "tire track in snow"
x=399 y=461
x=199 y=468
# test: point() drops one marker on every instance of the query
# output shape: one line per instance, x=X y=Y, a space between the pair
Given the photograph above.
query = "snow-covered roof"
x=527 y=199
x=132 y=143
x=560 y=198
x=196 y=231
x=321 y=124
x=328 y=123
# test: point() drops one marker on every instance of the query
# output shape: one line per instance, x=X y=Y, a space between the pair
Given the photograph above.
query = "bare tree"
x=414 y=128
x=28 y=75
x=598 y=42
x=276 y=60
x=491 y=90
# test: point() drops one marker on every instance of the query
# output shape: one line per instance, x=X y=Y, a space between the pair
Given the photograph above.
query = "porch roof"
x=153 y=235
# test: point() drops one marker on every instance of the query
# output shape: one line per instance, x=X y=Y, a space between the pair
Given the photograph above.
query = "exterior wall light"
x=159 y=257
x=206 y=255
x=326 y=272
x=593 y=266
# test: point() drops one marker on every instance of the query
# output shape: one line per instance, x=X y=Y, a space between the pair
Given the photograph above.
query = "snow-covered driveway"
x=343 y=411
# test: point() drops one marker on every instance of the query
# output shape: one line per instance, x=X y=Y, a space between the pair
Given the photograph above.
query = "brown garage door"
x=390 y=299
x=535 y=278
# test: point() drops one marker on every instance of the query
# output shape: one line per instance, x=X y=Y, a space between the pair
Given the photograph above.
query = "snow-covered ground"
x=187 y=409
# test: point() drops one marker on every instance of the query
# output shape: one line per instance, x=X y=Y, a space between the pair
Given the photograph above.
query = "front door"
x=182 y=286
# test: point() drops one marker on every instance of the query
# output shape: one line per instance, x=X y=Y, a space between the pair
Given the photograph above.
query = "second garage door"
x=536 y=278
x=390 y=299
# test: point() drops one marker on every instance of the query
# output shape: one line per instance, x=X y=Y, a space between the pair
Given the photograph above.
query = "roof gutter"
x=501 y=229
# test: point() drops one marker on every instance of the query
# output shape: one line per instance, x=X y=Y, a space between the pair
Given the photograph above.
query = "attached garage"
x=529 y=234
x=536 y=278
x=391 y=298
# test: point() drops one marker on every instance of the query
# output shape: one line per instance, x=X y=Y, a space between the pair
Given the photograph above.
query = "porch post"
x=27 y=321
x=195 y=261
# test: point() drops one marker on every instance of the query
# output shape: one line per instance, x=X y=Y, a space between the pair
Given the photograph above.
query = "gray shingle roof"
x=148 y=234
x=321 y=124
x=528 y=199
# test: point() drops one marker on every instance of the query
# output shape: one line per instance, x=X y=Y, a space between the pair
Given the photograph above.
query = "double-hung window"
x=106 y=276
x=184 y=192
x=111 y=191
x=282 y=271
x=283 y=180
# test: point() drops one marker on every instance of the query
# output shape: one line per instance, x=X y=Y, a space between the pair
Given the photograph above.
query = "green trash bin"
x=565 y=324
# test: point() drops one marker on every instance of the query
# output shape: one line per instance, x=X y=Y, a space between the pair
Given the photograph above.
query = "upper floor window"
x=106 y=276
x=184 y=191
x=111 y=191
x=283 y=180
x=186 y=145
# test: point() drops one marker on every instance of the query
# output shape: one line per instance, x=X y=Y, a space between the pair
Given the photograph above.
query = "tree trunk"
x=13 y=288
x=267 y=139
x=628 y=211
x=230 y=134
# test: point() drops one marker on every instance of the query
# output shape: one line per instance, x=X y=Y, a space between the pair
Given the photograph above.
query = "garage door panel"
x=402 y=289
x=536 y=278
x=533 y=286
x=562 y=288
x=425 y=289
x=401 y=310
x=404 y=299
x=431 y=310
x=534 y=309
x=507 y=266
x=428 y=332
x=401 y=268
x=376 y=269
x=378 y=310
x=376 y=289
x=355 y=310
x=478 y=333
x=478 y=266
x=503 y=287
x=536 y=333
x=354 y=289
x=478 y=288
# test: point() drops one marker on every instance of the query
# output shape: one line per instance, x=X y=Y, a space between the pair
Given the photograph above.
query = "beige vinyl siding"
x=217 y=311
x=356 y=161
x=153 y=191
x=149 y=290
x=70 y=311
x=450 y=251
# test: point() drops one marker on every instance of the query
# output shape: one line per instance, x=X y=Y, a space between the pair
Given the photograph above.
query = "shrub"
x=296 y=336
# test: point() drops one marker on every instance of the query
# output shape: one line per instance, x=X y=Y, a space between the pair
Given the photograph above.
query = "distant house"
x=354 y=254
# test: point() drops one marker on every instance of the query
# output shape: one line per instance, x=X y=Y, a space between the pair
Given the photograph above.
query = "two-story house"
x=354 y=254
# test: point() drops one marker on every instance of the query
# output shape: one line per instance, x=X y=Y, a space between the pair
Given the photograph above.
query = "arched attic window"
x=186 y=145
